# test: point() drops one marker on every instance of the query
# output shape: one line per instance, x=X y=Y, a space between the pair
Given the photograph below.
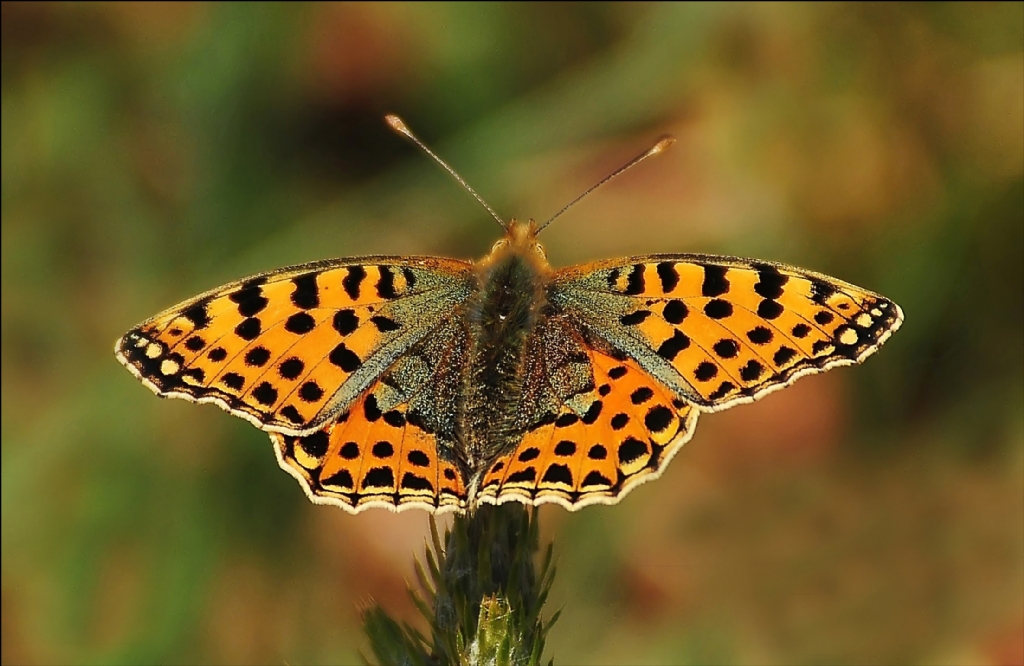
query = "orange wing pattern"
x=290 y=349
x=367 y=457
x=630 y=429
x=720 y=331
x=396 y=445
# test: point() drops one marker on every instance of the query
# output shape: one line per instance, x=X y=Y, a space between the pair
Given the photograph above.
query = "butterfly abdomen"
x=501 y=316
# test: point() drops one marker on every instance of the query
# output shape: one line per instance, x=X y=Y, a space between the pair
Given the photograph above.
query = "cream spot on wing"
x=153 y=350
x=304 y=459
x=140 y=342
x=169 y=367
x=189 y=379
x=876 y=312
x=848 y=336
x=864 y=320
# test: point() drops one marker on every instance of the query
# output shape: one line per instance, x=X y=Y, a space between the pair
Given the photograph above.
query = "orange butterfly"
x=440 y=384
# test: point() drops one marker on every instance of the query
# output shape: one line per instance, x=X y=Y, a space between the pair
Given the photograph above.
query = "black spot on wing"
x=195 y=373
x=769 y=309
x=383 y=450
x=371 y=409
x=718 y=309
x=770 y=281
x=706 y=371
x=379 y=477
x=418 y=458
x=249 y=329
x=411 y=481
x=306 y=294
x=671 y=347
x=617 y=372
x=675 y=311
x=634 y=318
x=342 y=479
x=300 y=323
x=821 y=291
x=595 y=410
x=233 y=380
x=410 y=278
x=529 y=454
x=197 y=314
x=631 y=449
x=783 y=355
x=641 y=395
x=345 y=321
x=723 y=389
x=565 y=448
x=292 y=414
x=394 y=418
x=522 y=476
x=316 y=444
x=311 y=392
x=726 y=348
x=668 y=275
x=345 y=358
x=595 y=478
x=658 y=418
x=385 y=325
x=635 y=282
x=751 y=371
x=566 y=420
x=291 y=368
x=353 y=280
x=557 y=473
x=257 y=357
x=265 y=394
x=715 y=282
x=250 y=298
x=386 y=283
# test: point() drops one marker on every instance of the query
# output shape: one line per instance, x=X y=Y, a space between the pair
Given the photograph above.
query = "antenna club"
x=397 y=124
x=663 y=144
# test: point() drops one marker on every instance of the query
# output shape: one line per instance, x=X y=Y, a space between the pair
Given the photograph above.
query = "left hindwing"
x=720 y=331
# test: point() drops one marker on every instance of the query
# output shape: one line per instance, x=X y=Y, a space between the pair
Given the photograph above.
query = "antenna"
x=396 y=124
x=659 y=147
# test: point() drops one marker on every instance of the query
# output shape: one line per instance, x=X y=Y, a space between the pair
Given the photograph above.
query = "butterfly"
x=441 y=384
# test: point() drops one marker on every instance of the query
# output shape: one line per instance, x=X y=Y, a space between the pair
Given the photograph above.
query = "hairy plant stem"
x=481 y=592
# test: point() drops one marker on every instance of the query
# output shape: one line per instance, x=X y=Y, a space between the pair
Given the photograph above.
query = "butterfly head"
x=520 y=238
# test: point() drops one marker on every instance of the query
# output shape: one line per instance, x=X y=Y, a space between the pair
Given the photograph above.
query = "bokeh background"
x=871 y=515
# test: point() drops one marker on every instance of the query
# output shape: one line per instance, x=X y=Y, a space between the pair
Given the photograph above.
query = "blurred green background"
x=871 y=515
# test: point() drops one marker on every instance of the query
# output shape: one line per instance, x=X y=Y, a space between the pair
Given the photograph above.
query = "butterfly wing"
x=395 y=446
x=606 y=425
x=721 y=331
x=642 y=345
x=291 y=349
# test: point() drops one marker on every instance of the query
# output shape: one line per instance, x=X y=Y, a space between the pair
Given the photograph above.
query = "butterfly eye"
x=500 y=244
x=539 y=249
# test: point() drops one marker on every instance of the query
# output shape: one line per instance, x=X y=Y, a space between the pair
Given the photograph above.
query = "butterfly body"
x=424 y=382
